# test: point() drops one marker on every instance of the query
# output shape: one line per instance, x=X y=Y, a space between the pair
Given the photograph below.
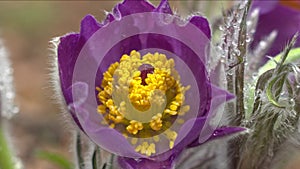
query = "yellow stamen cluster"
x=134 y=127
x=156 y=122
x=140 y=95
x=114 y=114
x=125 y=95
x=171 y=135
x=146 y=148
x=183 y=110
x=175 y=105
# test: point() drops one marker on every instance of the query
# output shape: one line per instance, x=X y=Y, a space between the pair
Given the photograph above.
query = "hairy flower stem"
x=238 y=82
x=95 y=158
x=240 y=74
x=111 y=161
x=239 y=90
x=273 y=121
x=6 y=161
x=286 y=52
x=78 y=151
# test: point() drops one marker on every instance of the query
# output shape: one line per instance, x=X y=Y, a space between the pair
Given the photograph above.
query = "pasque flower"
x=137 y=83
x=280 y=15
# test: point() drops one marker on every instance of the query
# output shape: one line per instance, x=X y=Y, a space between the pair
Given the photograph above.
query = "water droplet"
x=294 y=113
x=262 y=44
x=248 y=38
x=258 y=93
x=242 y=4
x=180 y=21
x=292 y=102
x=8 y=71
x=237 y=52
x=283 y=94
x=167 y=18
x=10 y=95
x=138 y=159
x=15 y=109
x=230 y=73
x=221 y=28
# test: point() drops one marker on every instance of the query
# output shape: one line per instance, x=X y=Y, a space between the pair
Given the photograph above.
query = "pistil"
x=145 y=69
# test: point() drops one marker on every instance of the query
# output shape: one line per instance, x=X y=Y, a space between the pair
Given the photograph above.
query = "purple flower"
x=280 y=15
x=137 y=83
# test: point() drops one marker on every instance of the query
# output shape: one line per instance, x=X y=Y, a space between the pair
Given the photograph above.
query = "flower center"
x=141 y=97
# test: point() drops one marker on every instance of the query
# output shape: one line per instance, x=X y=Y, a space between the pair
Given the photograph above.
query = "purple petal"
x=109 y=18
x=220 y=133
x=78 y=90
x=264 y=6
x=164 y=7
x=284 y=19
x=113 y=141
x=107 y=138
x=202 y=24
x=226 y=131
x=89 y=26
x=133 y=6
x=202 y=128
x=194 y=126
x=68 y=51
x=215 y=115
x=130 y=163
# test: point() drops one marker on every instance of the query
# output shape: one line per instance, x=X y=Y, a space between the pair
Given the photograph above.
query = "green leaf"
x=55 y=158
x=269 y=91
x=292 y=57
x=6 y=160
